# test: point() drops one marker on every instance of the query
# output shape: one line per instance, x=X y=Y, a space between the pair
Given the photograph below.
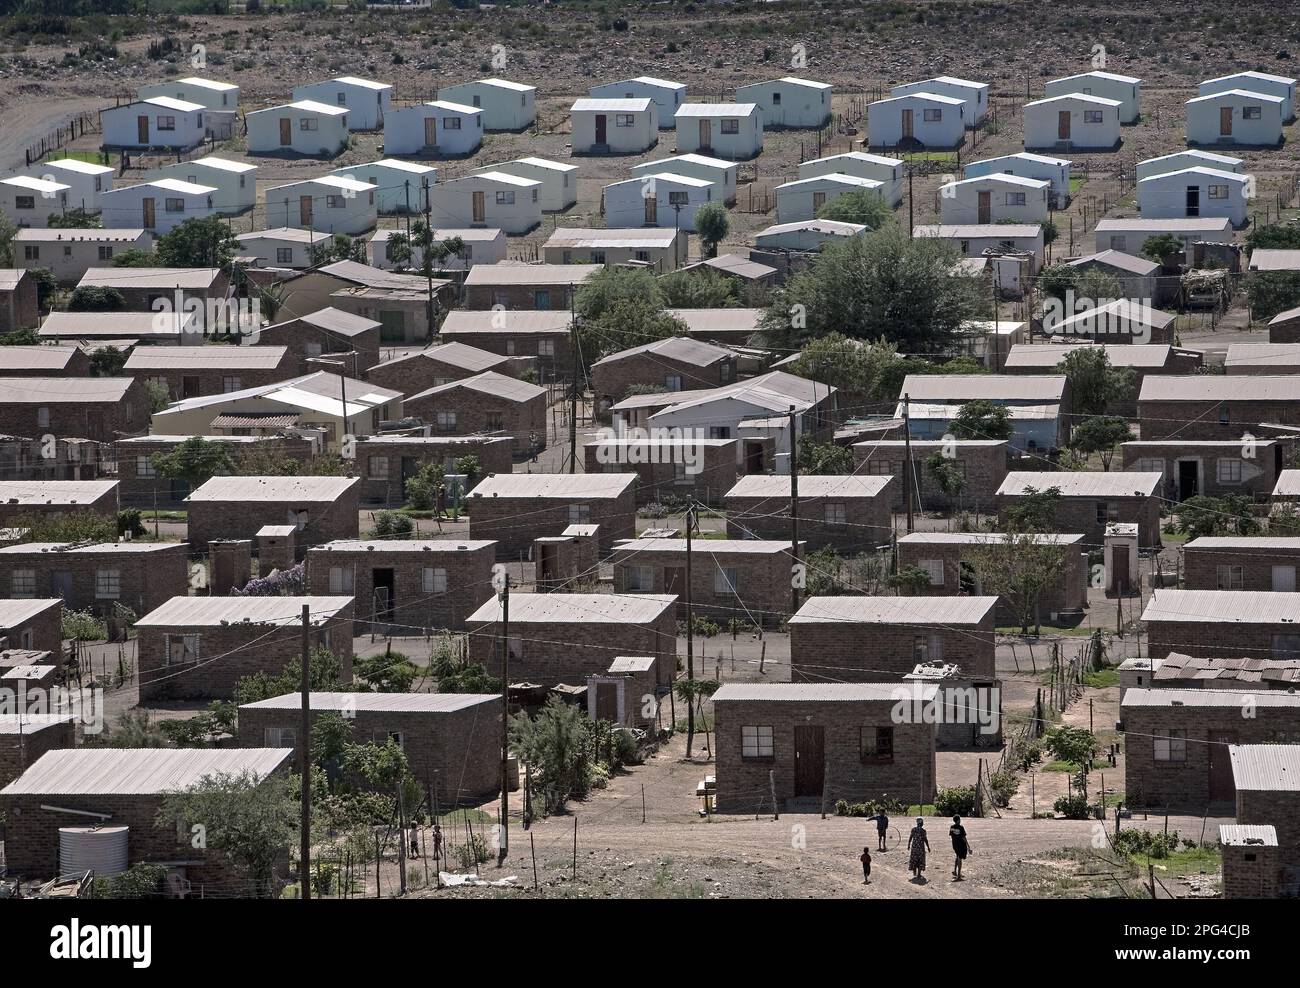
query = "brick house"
x=1264 y=776
x=323 y=509
x=745 y=579
x=452 y=740
x=18 y=301
x=861 y=639
x=1208 y=466
x=406 y=583
x=982 y=462
x=387 y=462
x=32 y=623
x=539 y=287
x=139 y=485
x=850 y=513
x=1264 y=563
x=677 y=364
x=1223 y=624
x=566 y=637
x=99 y=408
x=23 y=739
x=947 y=558
x=625 y=693
x=200 y=647
x=30 y=499
x=44 y=361
x=704 y=469
x=1285 y=327
x=142 y=288
x=1090 y=501
x=124 y=788
x=1251 y=862
x=193 y=371
x=1212 y=406
x=513 y=509
x=415 y=372
x=1176 y=742
x=398 y=302
x=329 y=331
x=543 y=337
x=488 y=403
x=817 y=743
x=138 y=575
x=62 y=459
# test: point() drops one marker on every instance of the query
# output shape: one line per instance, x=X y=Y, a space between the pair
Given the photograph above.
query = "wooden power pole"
x=304 y=760
x=794 y=511
x=690 y=635
x=907 y=465
x=505 y=722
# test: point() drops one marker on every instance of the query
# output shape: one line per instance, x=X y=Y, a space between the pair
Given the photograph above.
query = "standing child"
x=865 y=858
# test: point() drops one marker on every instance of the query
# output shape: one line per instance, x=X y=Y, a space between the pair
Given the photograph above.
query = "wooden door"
x=304 y=211
x=985 y=207
x=286 y=132
x=479 y=207
x=142 y=130
x=706 y=133
x=601 y=123
x=190 y=386
x=1225 y=121
x=147 y=205
x=431 y=132
x=1063 y=125
x=651 y=211
x=607 y=702
x=61 y=583
x=907 y=123
x=819 y=200
x=809 y=760
x=1222 y=788
x=675 y=580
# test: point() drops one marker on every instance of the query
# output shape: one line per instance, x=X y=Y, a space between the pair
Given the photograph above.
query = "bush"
x=128 y=523
x=140 y=881
x=1154 y=844
x=1002 y=786
x=474 y=852
x=391 y=524
x=957 y=801
x=83 y=626
x=1073 y=807
x=885 y=804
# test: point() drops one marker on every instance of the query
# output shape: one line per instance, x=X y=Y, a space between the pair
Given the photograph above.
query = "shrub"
x=956 y=801
x=83 y=626
x=1154 y=844
x=140 y=881
x=473 y=852
x=1073 y=807
x=1002 y=786
x=391 y=524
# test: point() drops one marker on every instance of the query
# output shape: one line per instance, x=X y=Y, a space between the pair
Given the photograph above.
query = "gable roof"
x=990 y=387
x=562 y=486
x=585 y=608
x=138 y=771
x=254 y=488
x=895 y=610
x=1223 y=607
x=487 y=383
x=681 y=348
x=814 y=485
x=1083 y=483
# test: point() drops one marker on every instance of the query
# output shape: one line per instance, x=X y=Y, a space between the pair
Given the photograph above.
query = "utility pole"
x=573 y=400
x=690 y=635
x=907 y=463
x=406 y=191
x=428 y=252
x=505 y=722
x=910 y=227
x=794 y=511
x=304 y=761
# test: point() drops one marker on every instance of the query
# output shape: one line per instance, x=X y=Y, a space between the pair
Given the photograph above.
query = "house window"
x=1229 y=471
x=505 y=198
x=494 y=422
x=965 y=246
x=108 y=584
x=673 y=382
x=105 y=253
x=643 y=255
x=678 y=198
x=1252 y=112
x=726 y=370
x=932 y=115
x=1229 y=577
x=182 y=649
x=341 y=99
x=334 y=202
x=542 y=299
x=725 y=581
x=43 y=417
x=31 y=253
x=920 y=648
x=1015 y=198
x=1118 y=243
x=171 y=205
x=451 y=123
x=546 y=348
x=756 y=742
x=934 y=569
x=776 y=99
x=719 y=432
x=433 y=580
x=879 y=468
x=876 y=744
x=166 y=123
x=1150 y=464
x=1092 y=116
x=835 y=513
x=730 y=125
x=1224 y=416
x=298 y=518
x=638 y=579
x=280 y=737
x=681 y=473
x=1103 y=512
x=284 y=255
x=597 y=257
x=144 y=467
x=447 y=421
x=229 y=383
x=22 y=583
x=383 y=737
x=308 y=123
x=340 y=579
x=624 y=120
x=378 y=467
x=1218 y=191
x=579 y=514
x=1171 y=748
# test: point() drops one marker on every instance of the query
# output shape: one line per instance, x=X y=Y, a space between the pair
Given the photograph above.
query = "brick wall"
x=1088 y=516
x=1279 y=807
x=326 y=520
x=550 y=350
x=612 y=379
x=1258 y=473
x=20 y=309
x=556 y=564
x=515 y=521
x=103 y=421
x=658 y=480
x=43 y=632
x=1251 y=872
x=1204 y=419
x=863 y=653
x=105 y=506
x=868 y=522
x=380 y=463
x=145 y=579
x=985 y=468
x=762 y=581
x=298 y=336
x=742 y=782
x=17 y=752
x=275 y=552
x=211 y=379
x=139 y=490
x=1219 y=639
x=1201 y=566
x=419 y=372
x=1068 y=591
x=481 y=297
x=523 y=421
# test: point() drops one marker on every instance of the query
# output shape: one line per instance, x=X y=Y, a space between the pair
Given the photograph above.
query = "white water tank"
x=98 y=849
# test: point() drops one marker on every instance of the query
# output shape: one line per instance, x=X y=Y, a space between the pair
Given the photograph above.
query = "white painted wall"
x=667 y=98
x=459 y=129
x=366 y=105
x=32 y=201
x=559 y=184
x=788 y=102
x=1024 y=166
x=946 y=127
x=236 y=191
x=1256 y=119
x=887 y=171
x=84 y=187
x=514 y=207
x=124 y=207
x=1219 y=194
x=1125 y=89
x=315 y=129
x=169 y=126
x=505 y=107
x=721 y=173
x=1094 y=122
x=735 y=130
x=800 y=200
x=395 y=187
x=628 y=129
x=337 y=205
x=625 y=202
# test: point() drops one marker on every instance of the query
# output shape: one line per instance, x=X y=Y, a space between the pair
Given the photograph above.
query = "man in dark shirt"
x=960 y=846
x=882 y=828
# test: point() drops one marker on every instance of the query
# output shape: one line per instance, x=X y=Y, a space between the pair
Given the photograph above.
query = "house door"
x=190 y=386
x=147 y=207
x=1222 y=789
x=651 y=211
x=61 y=583
x=985 y=207
x=546 y=564
x=142 y=130
x=809 y=760
x=907 y=124
x=601 y=120
x=706 y=133
x=286 y=132
x=1063 y=125
x=431 y=132
x=1193 y=200
x=1225 y=121
x=1189 y=480
x=479 y=207
x=383 y=592
x=607 y=702
x=304 y=211
x=753 y=457
x=1283 y=579
x=819 y=200
x=410 y=465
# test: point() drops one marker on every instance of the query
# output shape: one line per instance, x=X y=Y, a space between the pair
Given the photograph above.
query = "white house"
x=436 y=127
x=206 y=92
x=85 y=180
x=1130 y=234
x=331 y=203
x=158 y=205
x=32 y=201
x=973 y=240
x=1236 y=116
x=491 y=199
x=235 y=181
x=506 y=105
x=156 y=122
x=1195 y=192
x=1190 y=158
x=69 y=253
x=1055 y=171
x=806 y=235
x=559 y=180
x=1073 y=121
x=800 y=200
x=365 y=100
x=931 y=120
x=301 y=127
x=720 y=130
x=994 y=198
x=887 y=171
x=1255 y=82
x=398 y=184
x=1109 y=85
x=614 y=126
x=663 y=200
x=282 y=247
x=973 y=95
x=660 y=250
x=716 y=170
x=482 y=245
x=789 y=102
x=666 y=95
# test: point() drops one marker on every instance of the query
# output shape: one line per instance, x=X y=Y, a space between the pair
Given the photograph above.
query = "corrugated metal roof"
x=116 y=325
x=138 y=771
x=624 y=105
x=632 y=663
x=35 y=234
x=820 y=692
x=734 y=264
x=1118 y=259
x=205 y=358
x=1220 y=699
x=422 y=703
x=403 y=545
x=55 y=491
x=680 y=348
x=371 y=277
x=1084 y=483
x=151 y=278
x=253 y=420
x=1172 y=224
x=489 y=321
x=1266 y=767
x=530 y=274
x=1218 y=387
x=1265 y=355
x=488 y=383
x=820 y=485
x=577 y=608
x=554 y=485
x=572 y=236
x=457 y=354
x=708 y=547
x=716 y=110
x=894 y=610
x=944 y=388
x=1223 y=607
x=1232 y=673
x=1274 y=259
x=253 y=488
x=1243 y=834
x=191 y=612
x=1048 y=355
x=979 y=231
x=1113 y=317
x=31 y=723
x=1260 y=544
x=96 y=549
x=14 y=358
x=705 y=321
x=1288 y=481
x=982 y=538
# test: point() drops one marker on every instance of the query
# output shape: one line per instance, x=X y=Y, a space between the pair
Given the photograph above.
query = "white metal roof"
x=979 y=231
x=487 y=383
x=833 y=178
x=1002 y=178
x=169 y=103
x=353 y=80
x=927 y=97
x=564 y=486
x=1077 y=97
x=579 y=608
x=530 y=274
x=54 y=491
x=205 y=357
x=1108 y=76
x=1237 y=94
x=983 y=538
x=757 y=547
x=1159 y=697
x=895 y=610
x=138 y=771
x=1083 y=483
x=992 y=387
x=589 y=104
x=1223 y=607
x=1267 y=767
x=632 y=663
x=222 y=164
x=1218 y=387
x=1247 y=835
x=397 y=703
x=813 y=485
x=148 y=278
x=193 y=612
x=820 y=692
x=403 y=545
x=253 y=488
x=1172 y=224
x=603 y=238
x=31 y=723
x=35 y=184
x=680 y=348
x=16 y=612
x=213 y=84
x=716 y=110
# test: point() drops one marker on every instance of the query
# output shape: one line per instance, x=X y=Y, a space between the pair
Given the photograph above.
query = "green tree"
x=713 y=224
x=8 y=230
x=1063 y=282
x=1279 y=236
x=625 y=324
x=825 y=459
x=391 y=524
x=197 y=243
x=46 y=286
x=424 y=486
x=136 y=258
x=21 y=337
x=1018 y=567
x=982 y=419
x=554 y=744
x=858 y=369
x=76 y=219
x=948 y=477
x=1158 y=248
x=1271 y=292
x=326 y=675
x=910 y=581
x=603 y=290
x=391 y=672
x=432 y=253
x=1034 y=510
x=1228 y=514
x=470 y=467
x=107 y=361
x=1076 y=746
x=1100 y=434
x=858 y=206
x=1095 y=384
x=698 y=289
x=96 y=298
x=339 y=247
x=195 y=461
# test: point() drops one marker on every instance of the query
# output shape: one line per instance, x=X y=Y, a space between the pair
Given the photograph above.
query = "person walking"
x=882 y=829
x=960 y=846
x=918 y=843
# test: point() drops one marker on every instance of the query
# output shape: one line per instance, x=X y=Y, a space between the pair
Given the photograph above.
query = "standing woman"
x=960 y=846
x=918 y=843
